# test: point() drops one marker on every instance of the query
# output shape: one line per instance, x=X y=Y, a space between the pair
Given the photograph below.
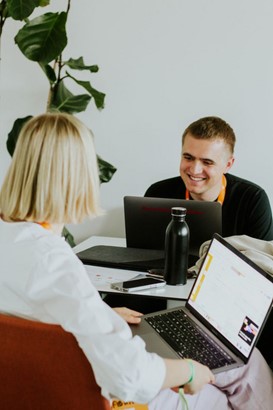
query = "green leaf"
x=74 y=104
x=78 y=64
x=106 y=170
x=97 y=95
x=49 y=72
x=20 y=10
x=44 y=3
x=68 y=237
x=64 y=100
x=14 y=133
x=43 y=38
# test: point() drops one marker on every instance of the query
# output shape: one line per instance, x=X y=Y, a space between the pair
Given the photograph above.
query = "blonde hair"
x=53 y=176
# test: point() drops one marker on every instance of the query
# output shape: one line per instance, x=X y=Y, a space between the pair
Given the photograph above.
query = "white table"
x=102 y=277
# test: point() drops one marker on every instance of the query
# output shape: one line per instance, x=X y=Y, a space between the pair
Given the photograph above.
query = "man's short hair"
x=53 y=176
x=211 y=128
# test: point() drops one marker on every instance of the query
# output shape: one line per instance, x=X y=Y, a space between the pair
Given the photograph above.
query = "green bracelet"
x=192 y=371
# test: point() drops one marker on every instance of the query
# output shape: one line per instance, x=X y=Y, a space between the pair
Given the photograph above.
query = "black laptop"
x=146 y=220
x=223 y=317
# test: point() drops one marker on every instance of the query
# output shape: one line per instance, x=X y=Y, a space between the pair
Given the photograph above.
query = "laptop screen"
x=146 y=220
x=232 y=295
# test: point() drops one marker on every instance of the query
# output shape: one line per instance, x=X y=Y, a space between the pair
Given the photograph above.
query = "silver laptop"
x=223 y=317
x=146 y=220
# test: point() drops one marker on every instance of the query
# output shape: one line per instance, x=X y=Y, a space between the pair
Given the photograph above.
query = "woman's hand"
x=202 y=376
x=187 y=373
x=129 y=315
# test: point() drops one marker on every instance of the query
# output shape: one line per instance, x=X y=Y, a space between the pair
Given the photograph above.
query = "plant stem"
x=3 y=15
x=68 y=6
x=59 y=63
x=57 y=66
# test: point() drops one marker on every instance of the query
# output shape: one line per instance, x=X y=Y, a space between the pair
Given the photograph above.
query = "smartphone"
x=138 y=284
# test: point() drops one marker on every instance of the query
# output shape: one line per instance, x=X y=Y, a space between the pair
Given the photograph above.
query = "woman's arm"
x=180 y=372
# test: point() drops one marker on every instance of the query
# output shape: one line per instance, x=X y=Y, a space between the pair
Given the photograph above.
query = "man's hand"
x=129 y=315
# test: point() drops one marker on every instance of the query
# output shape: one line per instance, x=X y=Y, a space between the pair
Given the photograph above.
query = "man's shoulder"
x=167 y=188
x=246 y=209
x=169 y=182
x=235 y=182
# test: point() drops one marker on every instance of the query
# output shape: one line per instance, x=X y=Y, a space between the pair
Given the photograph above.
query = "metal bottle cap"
x=179 y=211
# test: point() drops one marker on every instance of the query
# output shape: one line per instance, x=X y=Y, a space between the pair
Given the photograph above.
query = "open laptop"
x=226 y=310
x=146 y=220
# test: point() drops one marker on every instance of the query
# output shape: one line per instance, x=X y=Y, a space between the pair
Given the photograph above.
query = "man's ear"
x=229 y=164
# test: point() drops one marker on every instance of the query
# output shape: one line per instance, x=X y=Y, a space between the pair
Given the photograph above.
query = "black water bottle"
x=177 y=248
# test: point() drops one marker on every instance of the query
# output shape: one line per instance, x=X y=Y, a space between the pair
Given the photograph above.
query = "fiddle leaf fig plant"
x=43 y=39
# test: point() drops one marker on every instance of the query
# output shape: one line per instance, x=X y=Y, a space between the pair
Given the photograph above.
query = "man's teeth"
x=196 y=179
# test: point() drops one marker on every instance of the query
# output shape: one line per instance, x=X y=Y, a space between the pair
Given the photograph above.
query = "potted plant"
x=43 y=39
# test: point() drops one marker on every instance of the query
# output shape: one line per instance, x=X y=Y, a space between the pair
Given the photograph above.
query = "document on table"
x=101 y=276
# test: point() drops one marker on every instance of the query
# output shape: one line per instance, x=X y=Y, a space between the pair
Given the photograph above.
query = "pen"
x=155 y=273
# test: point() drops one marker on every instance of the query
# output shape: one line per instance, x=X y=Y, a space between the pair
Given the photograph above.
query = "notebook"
x=227 y=307
x=146 y=220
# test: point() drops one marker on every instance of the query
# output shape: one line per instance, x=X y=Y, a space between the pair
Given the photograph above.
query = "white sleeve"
x=62 y=293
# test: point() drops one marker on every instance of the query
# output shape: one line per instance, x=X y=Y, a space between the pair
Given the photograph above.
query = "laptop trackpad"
x=155 y=344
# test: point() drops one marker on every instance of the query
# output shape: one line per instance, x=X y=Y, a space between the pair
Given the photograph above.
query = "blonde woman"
x=53 y=180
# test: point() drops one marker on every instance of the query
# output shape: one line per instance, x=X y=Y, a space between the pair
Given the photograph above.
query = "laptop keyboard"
x=189 y=341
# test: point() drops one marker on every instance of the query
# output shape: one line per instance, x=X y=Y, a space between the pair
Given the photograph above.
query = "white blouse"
x=42 y=279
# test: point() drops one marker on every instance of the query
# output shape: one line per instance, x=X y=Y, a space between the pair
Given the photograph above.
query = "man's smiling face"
x=202 y=165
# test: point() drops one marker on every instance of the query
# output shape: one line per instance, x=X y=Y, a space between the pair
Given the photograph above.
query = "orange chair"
x=43 y=368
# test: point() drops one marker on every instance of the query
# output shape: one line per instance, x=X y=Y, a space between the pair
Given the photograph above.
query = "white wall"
x=163 y=64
